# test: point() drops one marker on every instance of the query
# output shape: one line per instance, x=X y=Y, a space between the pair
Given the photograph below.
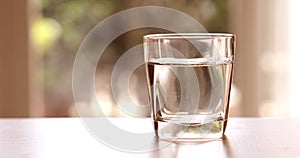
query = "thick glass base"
x=175 y=131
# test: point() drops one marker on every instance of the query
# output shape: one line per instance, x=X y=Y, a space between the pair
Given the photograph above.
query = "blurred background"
x=40 y=38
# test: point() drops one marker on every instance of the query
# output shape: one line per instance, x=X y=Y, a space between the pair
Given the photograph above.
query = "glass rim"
x=187 y=35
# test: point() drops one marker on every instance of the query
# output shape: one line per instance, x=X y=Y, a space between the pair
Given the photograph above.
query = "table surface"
x=71 y=137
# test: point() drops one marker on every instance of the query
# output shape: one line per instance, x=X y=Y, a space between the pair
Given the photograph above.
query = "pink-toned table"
x=68 y=137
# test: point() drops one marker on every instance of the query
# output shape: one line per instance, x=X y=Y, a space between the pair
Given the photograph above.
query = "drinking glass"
x=189 y=78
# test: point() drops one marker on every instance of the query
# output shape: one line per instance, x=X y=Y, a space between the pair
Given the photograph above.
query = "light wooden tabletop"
x=70 y=137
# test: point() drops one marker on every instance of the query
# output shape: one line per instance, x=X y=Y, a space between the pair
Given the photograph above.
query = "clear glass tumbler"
x=189 y=79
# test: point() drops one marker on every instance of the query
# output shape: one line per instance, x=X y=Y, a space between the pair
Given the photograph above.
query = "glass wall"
x=265 y=77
